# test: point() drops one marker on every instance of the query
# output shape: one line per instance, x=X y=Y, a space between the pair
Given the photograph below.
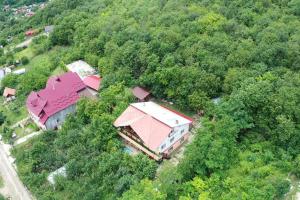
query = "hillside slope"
x=187 y=52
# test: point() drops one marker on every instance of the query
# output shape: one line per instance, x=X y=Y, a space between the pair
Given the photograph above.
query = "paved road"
x=15 y=187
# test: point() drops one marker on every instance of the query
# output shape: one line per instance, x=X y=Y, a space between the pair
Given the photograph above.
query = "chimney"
x=177 y=122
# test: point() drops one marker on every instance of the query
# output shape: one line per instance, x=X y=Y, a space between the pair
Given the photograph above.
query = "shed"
x=9 y=92
x=141 y=93
x=59 y=172
x=49 y=29
x=30 y=32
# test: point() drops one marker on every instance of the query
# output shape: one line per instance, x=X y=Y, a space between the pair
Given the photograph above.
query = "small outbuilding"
x=9 y=94
x=62 y=172
x=141 y=93
x=31 y=32
x=49 y=29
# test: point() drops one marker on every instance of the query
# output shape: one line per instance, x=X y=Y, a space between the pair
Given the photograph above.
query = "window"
x=170 y=149
x=172 y=139
x=172 y=133
x=182 y=131
x=163 y=146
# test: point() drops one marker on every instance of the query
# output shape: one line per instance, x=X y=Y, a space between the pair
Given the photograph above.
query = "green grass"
x=36 y=61
x=57 y=71
x=30 y=128
x=13 y=114
x=28 y=52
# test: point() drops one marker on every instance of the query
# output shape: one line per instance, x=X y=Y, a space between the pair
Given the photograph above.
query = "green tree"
x=145 y=190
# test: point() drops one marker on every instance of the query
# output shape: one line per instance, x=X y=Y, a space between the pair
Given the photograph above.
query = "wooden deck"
x=140 y=147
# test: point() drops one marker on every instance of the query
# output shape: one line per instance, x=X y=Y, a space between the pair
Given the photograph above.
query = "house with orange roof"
x=153 y=129
x=9 y=94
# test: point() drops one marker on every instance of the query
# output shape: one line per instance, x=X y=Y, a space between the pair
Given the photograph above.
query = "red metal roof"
x=60 y=93
x=140 y=93
x=93 y=82
x=9 y=92
x=30 y=32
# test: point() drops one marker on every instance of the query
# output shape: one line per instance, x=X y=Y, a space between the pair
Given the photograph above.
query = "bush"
x=2 y=118
x=6 y=133
x=24 y=60
x=2 y=197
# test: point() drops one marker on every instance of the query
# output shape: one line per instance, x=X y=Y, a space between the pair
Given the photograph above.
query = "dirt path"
x=27 y=137
x=14 y=188
x=20 y=122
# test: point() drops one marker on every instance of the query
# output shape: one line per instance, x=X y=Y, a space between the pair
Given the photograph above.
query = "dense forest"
x=16 y=3
x=245 y=52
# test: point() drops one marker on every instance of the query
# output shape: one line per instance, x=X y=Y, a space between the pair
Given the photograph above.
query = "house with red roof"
x=153 y=129
x=50 y=106
x=141 y=94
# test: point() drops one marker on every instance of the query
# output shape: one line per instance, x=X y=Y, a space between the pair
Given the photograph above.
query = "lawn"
x=30 y=128
x=28 y=52
x=12 y=112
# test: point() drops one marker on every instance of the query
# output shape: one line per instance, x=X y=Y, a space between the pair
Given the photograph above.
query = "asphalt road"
x=14 y=186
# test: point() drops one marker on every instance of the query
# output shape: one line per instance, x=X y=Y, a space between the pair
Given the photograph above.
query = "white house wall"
x=178 y=132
